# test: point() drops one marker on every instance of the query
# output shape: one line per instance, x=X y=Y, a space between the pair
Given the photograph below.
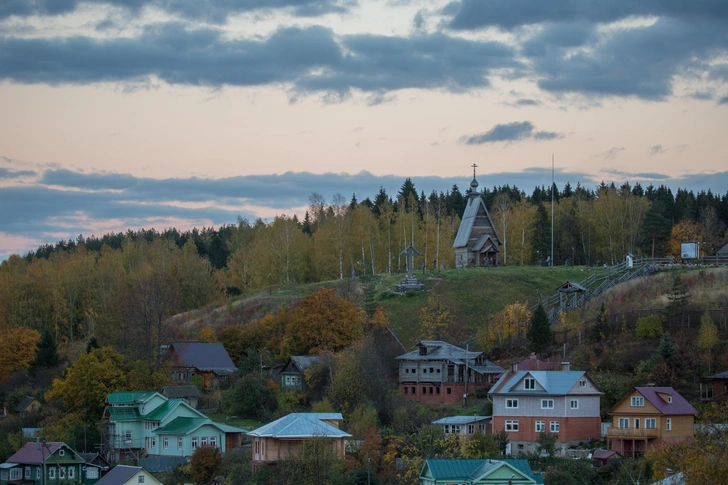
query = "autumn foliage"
x=17 y=349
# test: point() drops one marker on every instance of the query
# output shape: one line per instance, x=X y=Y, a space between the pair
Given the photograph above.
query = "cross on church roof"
x=474 y=167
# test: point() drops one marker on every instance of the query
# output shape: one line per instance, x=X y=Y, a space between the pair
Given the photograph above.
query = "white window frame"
x=637 y=401
x=447 y=429
x=529 y=383
x=71 y=473
x=637 y=423
x=573 y=404
x=547 y=403
x=37 y=473
x=471 y=429
x=650 y=423
x=511 y=403
x=165 y=442
x=625 y=422
x=153 y=443
x=203 y=441
x=512 y=425
x=554 y=426
x=180 y=443
x=52 y=473
x=213 y=441
x=540 y=426
x=4 y=474
x=61 y=473
x=582 y=383
x=27 y=473
x=16 y=474
x=668 y=424
x=194 y=442
x=61 y=452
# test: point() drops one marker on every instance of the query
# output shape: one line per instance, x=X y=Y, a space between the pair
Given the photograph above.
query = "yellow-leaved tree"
x=17 y=349
x=435 y=318
x=88 y=381
x=501 y=328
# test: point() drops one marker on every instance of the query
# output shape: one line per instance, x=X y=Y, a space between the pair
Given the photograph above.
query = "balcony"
x=633 y=433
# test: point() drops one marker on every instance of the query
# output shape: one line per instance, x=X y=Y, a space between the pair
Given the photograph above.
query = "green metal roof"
x=183 y=426
x=462 y=470
x=128 y=397
x=124 y=414
x=161 y=411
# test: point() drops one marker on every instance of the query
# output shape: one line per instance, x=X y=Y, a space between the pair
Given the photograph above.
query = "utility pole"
x=552 y=210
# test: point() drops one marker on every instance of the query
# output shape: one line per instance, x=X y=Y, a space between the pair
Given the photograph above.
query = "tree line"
x=122 y=286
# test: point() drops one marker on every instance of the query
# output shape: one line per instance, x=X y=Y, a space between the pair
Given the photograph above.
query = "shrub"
x=649 y=327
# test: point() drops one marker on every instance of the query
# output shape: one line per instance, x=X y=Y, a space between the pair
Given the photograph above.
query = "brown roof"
x=34 y=452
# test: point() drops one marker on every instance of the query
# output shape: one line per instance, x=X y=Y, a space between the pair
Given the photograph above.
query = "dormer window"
x=638 y=401
x=529 y=383
x=669 y=399
x=423 y=350
x=61 y=452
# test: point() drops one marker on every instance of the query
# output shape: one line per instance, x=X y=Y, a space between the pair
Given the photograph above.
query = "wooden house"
x=141 y=424
x=292 y=378
x=715 y=387
x=208 y=360
x=649 y=416
x=437 y=372
x=27 y=406
x=286 y=437
x=187 y=392
x=45 y=463
x=477 y=242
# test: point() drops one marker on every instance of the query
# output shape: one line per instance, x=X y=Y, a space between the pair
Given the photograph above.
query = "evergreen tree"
x=541 y=234
x=678 y=298
x=539 y=331
x=46 y=354
x=599 y=331
x=666 y=349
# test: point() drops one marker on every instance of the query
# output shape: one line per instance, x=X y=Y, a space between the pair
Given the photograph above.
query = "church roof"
x=468 y=223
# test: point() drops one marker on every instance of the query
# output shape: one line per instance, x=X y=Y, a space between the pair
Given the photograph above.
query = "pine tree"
x=539 y=331
x=46 y=354
x=599 y=330
x=666 y=349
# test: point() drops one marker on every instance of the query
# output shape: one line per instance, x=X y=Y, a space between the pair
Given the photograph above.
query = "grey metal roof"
x=181 y=391
x=439 y=350
x=488 y=368
x=720 y=375
x=210 y=357
x=119 y=475
x=300 y=363
x=554 y=382
x=24 y=404
x=460 y=419
x=302 y=425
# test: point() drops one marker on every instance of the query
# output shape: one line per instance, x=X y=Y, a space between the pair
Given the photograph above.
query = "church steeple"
x=474 y=184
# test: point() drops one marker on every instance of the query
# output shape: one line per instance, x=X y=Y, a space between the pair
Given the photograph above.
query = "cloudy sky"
x=119 y=114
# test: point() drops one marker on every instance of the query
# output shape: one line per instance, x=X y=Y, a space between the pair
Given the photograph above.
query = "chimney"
x=566 y=366
x=650 y=384
x=533 y=355
x=514 y=367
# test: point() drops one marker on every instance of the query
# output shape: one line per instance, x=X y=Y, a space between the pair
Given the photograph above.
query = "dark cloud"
x=657 y=150
x=508 y=132
x=475 y=14
x=6 y=174
x=72 y=203
x=527 y=102
x=311 y=59
x=215 y=11
x=723 y=100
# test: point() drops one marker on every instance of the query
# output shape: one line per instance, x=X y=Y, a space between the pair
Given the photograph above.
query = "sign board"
x=690 y=250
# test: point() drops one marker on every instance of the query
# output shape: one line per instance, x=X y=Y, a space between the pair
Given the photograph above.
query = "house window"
x=547 y=403
x=511 y=403
x=650 y=423
x=179 y=443
x=424 y=390
x=554 y=426
x=574 y=404
x=127 y=437
x=636 y=423
x=51 y=473
x=424 y=371
x=437 y=390
x=153 y=442
x=669 y=399
x=438 y=371
x=481 y=427
x=16 y=473
x=406 y=390
x=194 y=442
x=37 y=473
x=203 y=441
x=61 y=473
x=471 y=429
x=165 y=442
x=582 y=383
x=668 y=424
x=638 y=401
x=456 y=428
x=449 y=390
x=92 y=473
x=432 y=370
x=540 y=426
x=61 y=452
x=447 y=429
x=71 y=473
x=511 y=425
x=414 y=390
x=529 y=383
x=213 y=441
x=4 y=475
x=27 y=473
x=140 y=479
x=624 y=423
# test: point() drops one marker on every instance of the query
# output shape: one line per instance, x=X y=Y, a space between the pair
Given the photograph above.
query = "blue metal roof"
x=460 y=419
x=302 y=425
x=557 y=383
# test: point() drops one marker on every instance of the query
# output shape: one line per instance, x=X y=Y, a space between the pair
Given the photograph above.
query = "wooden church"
x=477 y=242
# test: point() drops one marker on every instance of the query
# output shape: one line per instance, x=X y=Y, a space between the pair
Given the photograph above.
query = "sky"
x=128 y=114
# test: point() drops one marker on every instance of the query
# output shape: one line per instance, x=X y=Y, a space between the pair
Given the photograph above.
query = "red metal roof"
x=679 y=404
